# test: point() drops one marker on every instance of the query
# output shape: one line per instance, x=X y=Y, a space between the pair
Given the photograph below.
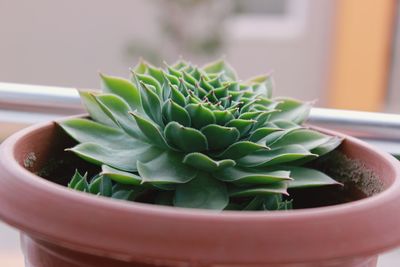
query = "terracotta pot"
x=62 y=227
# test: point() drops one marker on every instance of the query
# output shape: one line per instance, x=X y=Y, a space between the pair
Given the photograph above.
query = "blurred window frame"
x=290 y=24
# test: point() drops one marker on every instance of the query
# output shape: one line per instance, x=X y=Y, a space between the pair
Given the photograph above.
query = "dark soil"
x=61 y=165
x=358 y=182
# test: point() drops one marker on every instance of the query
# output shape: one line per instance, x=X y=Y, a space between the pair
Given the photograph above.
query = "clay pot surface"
x=62 y=227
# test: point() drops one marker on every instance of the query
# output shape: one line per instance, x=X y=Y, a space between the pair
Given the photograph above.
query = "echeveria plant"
x=196 y=137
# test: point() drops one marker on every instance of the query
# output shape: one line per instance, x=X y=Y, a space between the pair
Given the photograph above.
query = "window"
x=255 y=19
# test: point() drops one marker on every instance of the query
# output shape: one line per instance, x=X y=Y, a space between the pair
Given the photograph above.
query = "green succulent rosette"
x=196 y=137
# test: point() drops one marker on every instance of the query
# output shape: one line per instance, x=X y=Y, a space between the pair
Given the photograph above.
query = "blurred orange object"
x=361 y=54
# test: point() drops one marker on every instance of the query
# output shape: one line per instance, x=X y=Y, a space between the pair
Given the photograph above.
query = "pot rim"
x=225 y=222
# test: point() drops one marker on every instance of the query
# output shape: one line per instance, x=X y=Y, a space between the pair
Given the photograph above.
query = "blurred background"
x=332 y=51
x=342 y=53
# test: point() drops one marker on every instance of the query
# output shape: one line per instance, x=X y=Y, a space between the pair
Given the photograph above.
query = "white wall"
x=297 y=54
x=67 y=42
x=54 y=42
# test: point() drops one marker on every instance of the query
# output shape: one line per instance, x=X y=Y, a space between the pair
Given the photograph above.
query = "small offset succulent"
x=195 y=137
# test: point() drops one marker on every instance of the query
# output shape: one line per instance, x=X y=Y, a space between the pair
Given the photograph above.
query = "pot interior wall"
x=358 y=181
x=45 y=156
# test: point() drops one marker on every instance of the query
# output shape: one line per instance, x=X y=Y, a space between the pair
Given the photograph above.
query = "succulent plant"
x=196 y=137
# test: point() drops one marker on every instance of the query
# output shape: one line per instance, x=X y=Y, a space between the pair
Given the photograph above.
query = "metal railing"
x=21 y=105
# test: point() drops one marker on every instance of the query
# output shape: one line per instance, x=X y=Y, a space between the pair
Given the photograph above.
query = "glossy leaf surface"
x=203 y=192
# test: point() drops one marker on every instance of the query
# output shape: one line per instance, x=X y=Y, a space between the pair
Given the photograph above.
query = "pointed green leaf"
x=221 y=92
x=207 y=164
x=122 y=194
x=251 y=176
x=263 y=84
x=118 y=110
x=219 y=137
x=183 y=87
x=189 y=78
x=255 y=204
x=275 y=156
x=327 y=147
x=260 y=107
x=185 y=138
x=189 y=68
x=276 y=135
x=200 y=115
x=222 y=116
x=179 y=64
x=246 y=89
x=165 y=169
x=309 y=139
x=174 y=72
x=76 y=179
x=260 y=133
x=105 y=186
x=286 y=124
x=84 y=130
x=221 y=66
x=203 y=192
x=135 y=191
x=216 y=82
x=234 y=90
x=193 y=99
x=82 y=185
x=276 y=202
x=148 y=81
x=118 y=187
x=234 y=107
x=251 y=115
x=93 y=108
x=241 y=149
x=151 y=104
x=117 y=158
x=196 y=73
x=94 y=186
x=151 y=131
x=200 y=92
x=243 y=126
x=210 y=96
x=172 y=79
x=248 y=104
x=123 y=88
x=291 y=110
x=156 y=74
x=203 y=84
x=166 y=89
x=177 y=96
x=120 y=176
x=141 y=67
x=274 y=188
x=262 y=120
x=306 y=177
x=173 y=112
